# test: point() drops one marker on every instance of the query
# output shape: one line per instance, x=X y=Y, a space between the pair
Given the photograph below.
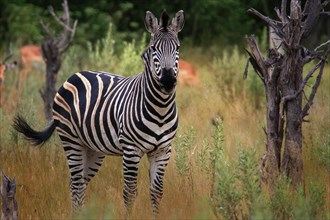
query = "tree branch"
x=325 y=13
x=301 y=87
x=256 y=58
x=325 y=3
x=314 y=89
x=268 y=20
x=64 y=41
x=321 y=45
x=246 y=67
x=62 y=21
x=283 y=12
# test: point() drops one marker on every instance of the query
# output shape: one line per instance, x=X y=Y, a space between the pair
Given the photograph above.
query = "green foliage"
x=203 y=158
x=218 y=140
x=183 y=146
x=228 y=70
x=130 y=58
x=228 y=196
x=248 y=174
x=281 y=201
x=237 y=192
x=323 y=152
x=24 y=23
x=96 y=24
x=316 y=197
x=108 y=55
x=210 y=153
x=311 y=205
x=93 y=211
x=123 y=58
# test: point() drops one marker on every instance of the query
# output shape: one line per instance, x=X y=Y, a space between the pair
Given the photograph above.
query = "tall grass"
x=213 y=171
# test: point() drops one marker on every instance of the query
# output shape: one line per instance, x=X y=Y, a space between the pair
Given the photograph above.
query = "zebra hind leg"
x=158 y=161
x=76 y=154
x=83 y=165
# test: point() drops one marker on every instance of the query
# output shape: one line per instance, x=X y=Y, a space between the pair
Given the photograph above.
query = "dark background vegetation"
x=208 y=22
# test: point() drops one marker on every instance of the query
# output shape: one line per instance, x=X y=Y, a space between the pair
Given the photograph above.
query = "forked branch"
x=314 y=89
x=64 y=41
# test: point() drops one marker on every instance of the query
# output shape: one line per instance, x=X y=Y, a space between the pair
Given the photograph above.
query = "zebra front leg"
x=158 y=161
x=131 y=159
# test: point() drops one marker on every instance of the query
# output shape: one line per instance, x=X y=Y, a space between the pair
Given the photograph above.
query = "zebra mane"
x=164 y=20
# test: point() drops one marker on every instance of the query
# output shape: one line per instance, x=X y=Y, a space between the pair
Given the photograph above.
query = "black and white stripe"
x=98 y=114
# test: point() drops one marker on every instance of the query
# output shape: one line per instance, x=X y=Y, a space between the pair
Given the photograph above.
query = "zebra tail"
x=35 y=137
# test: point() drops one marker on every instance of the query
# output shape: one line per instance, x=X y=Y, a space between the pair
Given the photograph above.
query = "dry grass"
x=42 y=173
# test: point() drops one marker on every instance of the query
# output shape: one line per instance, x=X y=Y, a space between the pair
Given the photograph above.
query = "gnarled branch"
x=314 y=89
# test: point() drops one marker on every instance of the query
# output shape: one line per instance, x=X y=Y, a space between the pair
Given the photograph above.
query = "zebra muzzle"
x=167 y=80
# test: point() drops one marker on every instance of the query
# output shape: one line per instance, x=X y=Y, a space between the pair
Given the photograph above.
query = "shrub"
x=183 y=147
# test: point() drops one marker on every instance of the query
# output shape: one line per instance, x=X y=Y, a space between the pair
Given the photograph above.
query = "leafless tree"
x=53 y=47
x=282 y=76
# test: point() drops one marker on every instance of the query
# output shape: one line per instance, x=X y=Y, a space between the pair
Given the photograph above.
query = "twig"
x=71 y=37
x=325 y=3
x=268 y=20
x=325 y=13
x=246 y=68
x=314 y=89
x=321 y=45
x=65 y=19
x=301 y=88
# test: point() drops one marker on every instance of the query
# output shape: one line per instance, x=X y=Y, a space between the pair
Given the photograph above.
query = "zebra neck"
x=152 y=96
x=153 y=99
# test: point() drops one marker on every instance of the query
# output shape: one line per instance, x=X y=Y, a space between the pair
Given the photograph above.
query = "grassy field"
x=42 y=173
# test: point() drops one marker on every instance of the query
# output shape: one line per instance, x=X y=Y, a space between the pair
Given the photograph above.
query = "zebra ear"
x=178 y=21
x=151 y=22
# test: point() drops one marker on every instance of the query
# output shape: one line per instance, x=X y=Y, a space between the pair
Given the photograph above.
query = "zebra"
x=98 y=113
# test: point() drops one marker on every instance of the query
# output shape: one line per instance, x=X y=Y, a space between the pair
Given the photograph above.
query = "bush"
x=183 y=147
x=237 y=192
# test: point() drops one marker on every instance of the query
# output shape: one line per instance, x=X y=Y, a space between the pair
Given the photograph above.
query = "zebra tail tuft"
x=35 y=137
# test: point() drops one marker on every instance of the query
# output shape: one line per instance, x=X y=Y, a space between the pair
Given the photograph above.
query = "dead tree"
x=282 y=76
x=9 y=204
x=53 y=47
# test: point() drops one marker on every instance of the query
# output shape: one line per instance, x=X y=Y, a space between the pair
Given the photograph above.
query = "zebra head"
x=164 y=49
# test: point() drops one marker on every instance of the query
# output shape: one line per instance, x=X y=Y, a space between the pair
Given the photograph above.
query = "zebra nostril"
x=167 y=80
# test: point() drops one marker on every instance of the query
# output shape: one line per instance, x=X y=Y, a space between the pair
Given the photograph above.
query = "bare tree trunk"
x=291 y=78
x=52 y=49
x=282 y=75
x=52 y=57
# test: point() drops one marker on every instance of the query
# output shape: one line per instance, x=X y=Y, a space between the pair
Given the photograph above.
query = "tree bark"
x=291 y=78
x=52 y=58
